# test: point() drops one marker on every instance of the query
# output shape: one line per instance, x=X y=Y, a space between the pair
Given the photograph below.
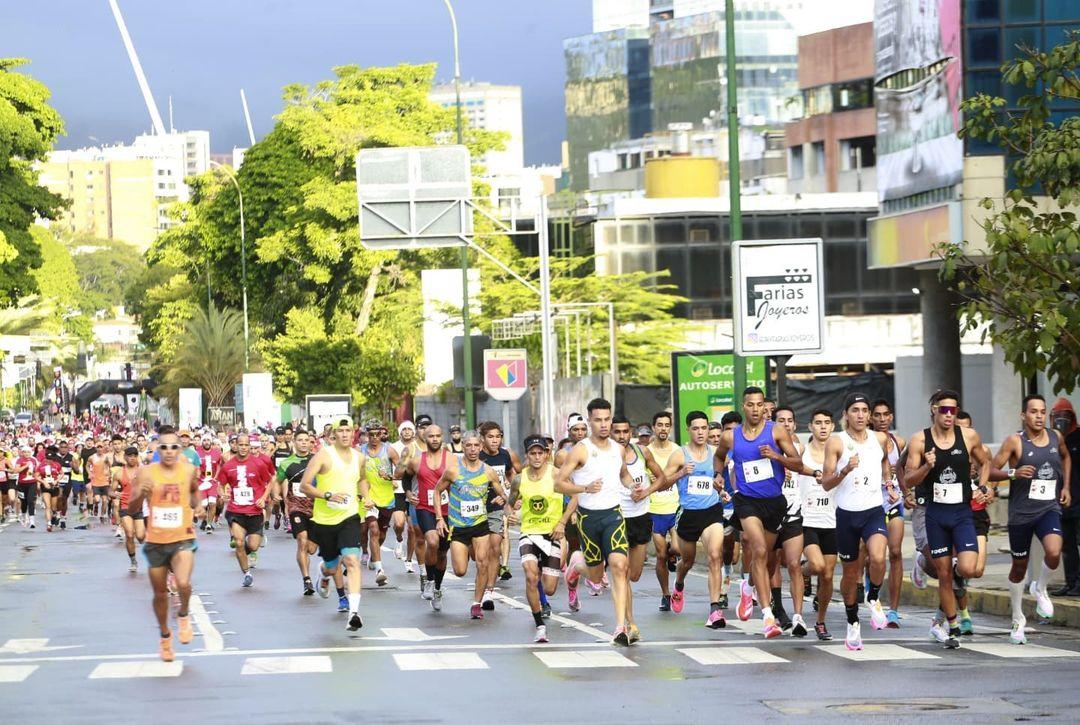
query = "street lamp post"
x=735 y=203
x=243 y=259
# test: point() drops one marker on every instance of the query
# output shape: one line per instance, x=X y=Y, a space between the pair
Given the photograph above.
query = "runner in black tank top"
x=506 y=465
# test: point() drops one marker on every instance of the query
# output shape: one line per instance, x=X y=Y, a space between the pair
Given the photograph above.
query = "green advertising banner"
x=704 y=380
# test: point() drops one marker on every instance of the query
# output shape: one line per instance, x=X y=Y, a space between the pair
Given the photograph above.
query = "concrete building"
x=492 y=108
x=831 y=147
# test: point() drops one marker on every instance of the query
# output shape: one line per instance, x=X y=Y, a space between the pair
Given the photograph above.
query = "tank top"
x=99 y=471
x=604 y=464
x=426 y=478
x=792 y=491
x=502 y=464
x=341 y=478
x=381 y=486
x=541 y=506
x=663 y=502
x=468 y=496
x=640 y=473
x=756 y=477
x=949 y=481
x=818 y=506
x=894 y=457
x=696 y=491
x=1030 y=498
x=169 y=515
x=126 y=481
x=861 y=489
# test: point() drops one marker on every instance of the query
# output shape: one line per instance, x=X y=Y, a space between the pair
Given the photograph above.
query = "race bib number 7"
x=948 y=493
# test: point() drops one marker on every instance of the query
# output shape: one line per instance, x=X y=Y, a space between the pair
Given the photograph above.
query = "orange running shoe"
x=166 y=649
x=185 y=634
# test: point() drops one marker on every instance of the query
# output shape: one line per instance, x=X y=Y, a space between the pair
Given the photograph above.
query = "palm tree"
x=211 y=355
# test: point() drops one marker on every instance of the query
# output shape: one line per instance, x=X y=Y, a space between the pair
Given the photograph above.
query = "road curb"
x=996 y=602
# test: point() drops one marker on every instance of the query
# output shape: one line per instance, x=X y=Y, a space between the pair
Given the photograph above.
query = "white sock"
x=1044 y=577
x=766 y=613
x=354 y=602
x=378 y=565
x=1016 y=596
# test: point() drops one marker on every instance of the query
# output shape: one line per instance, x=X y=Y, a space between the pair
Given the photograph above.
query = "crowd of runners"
x=583 y=511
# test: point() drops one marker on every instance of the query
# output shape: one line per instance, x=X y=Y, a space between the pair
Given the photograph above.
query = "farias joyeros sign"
x=779 y=296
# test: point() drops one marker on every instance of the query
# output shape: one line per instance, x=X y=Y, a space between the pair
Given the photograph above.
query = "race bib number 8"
x=167 y=517
x=472 y=509
x=699 y=486
x=1042 y=490
x=759 y=470
x=948 y=493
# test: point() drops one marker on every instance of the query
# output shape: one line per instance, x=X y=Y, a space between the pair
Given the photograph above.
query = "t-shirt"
x=50 y=472
x=247 y=480
x=290 y=471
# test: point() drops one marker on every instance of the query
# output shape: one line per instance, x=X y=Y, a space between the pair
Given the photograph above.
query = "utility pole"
x=735 y=206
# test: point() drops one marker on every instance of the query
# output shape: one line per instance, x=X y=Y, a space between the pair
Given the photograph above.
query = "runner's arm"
x=660 y=482
x=727 y=442
x=571 y=463
x=448 y=475
x=515 y=490
x=830 y=476
x=138 y=491
x=916 y=468
x=790 y=459
x=362 y=485
x=515 y=462
x=317 y=465
x=673 y=471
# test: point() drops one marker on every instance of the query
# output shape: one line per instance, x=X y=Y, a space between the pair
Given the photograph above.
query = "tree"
x=58 y=282
x=210 y=355
x=28 y=129
x=1025 y=285
x=106 y=268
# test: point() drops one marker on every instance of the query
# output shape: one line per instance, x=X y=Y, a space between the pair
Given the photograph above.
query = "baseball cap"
x=422 y=420
x=131 y=451
x=575 y=419
x=184 y=432
x=643 y=430
x=535 y=440
x=854 y=398
x=280 y=430
x=342 y=422
x=455 y=428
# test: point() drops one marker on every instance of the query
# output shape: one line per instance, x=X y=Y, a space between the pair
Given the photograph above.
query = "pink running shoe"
x=571 y=596
x=677 y=600
x=746 y=601
x=716 y=619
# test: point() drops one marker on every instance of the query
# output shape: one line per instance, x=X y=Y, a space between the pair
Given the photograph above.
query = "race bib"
x=347 y=503
x=296 y=489
x=244 y=496
x=817 y=502
x=1042 y=489
x=759 y=470
x=371 y=513
x=472 y=509
x=948 y=493
x=699 y=486
x=167 y=517
x=444 y=499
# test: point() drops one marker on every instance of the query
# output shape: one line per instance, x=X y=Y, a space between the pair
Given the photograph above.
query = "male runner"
x=49 y=473
x=881 y=416
x=379 y=470
x=247 y=486
x=170 y=488
x=938 y=467
x=789 y=544
x=132 y=522
x=702 y=514
x=663 y=506
x=576 y=431
x=470 y=483
x=506 y=465
x=26 y=480
x=97 y=467
x=65 y=459
x=210 y=462
x=1039 y=465
x=856 y=468
x=819 y=518
x=595 y=472
x=428 y=468
x=760 y=451
x=334 y=479
x=454 y=446
x=290 y=472
x=408 y=447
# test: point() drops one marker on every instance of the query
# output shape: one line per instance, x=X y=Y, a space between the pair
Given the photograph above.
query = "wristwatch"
x=1011 y=473
x=327 y=495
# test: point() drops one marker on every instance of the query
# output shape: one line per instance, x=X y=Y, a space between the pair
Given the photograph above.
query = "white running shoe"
x=853 y=640
x=541 y=634
x=1043 y=606
x=436 y=600
x=429 y=590
x=918 y=577
x=1017 y=636
x=938 y=631
x=409 y=568
x=399 y=552
x=381 y=579
x=878 y=618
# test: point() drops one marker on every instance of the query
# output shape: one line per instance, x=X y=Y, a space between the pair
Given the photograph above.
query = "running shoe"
x=487 y=603
x=343 y=604
x=677 y=600
x=63 y=524
x=723 y=600
x=798 y=626
x=399 y=552
x=249 y=579
x=324 y=586
x=938 y=631
x=309 y=588
x=504 y=573
x=48 y=527
x=878 y=619
x=769 y=628
x=966 y=628
x=476 y=612
x=436 y=600
x=672 y=561
x=953 y=640
x=633 y=633
x=822 y=632
x=165 y=649
x=1017 y=636
x=853 y=640
x=365 y=559
x=209 y=528
x=807 y=587
x=892 y=619
x=745 y=607
x=277 y=521
x=594 y=589
x=428 y=591
x=409 y=568
x=202 y=525
x=541 y=634
x=381 y=579
x=355 y=622
x=716 y=619
x=133 y=567
x=571 y=597
x=665 y=603
x=184 y=632
x=423 y=583
x=1043 y=606
x=918 y=577
x=783 y=619
x=545 y=610
x=32 y=525
x=621 y=637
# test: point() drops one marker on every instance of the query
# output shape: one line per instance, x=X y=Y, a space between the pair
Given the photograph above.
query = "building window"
x=795 y=162
x=857 y=153
x=1060 y=10
x=817 y=156
x=982 y=11
x=984 y=46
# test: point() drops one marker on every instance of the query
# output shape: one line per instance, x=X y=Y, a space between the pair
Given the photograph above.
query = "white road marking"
x=29 y=646
x=412 y=634
x=591 y=631
x=1014 y=651
x=877 y=653
x=730 y=656
x=144 y=668
x=286 y=665
x=584 y=659
x=439 y=661
x=212 y=639
x=16 y=673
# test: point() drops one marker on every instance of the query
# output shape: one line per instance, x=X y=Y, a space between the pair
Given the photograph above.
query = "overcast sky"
x=201 y=52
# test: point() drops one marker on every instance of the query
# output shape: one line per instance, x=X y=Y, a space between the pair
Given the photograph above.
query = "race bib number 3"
x=699 y=486
x=1042 y=490
x=472 y=509
x=948 y=493
x=166 y=517
x=759 y=470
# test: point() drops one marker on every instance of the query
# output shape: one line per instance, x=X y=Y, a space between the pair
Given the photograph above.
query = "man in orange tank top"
x=171 y=489
x=131 y=522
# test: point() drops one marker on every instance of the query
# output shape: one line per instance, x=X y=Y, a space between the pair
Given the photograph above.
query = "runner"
x=576 y=431
x=210 y=463
x=49 y=474
x=760 y=451
x=881 y=416
x=938 y=467
x=428 y=468
x=856 y=468
x=408 y=447
x=595 y=472
x=506 y=465
x=247 y=485
x=543 y=525
x=97 y=467
x=789 y=544
x=701 y=517
x=471 y=483
x=290 y=472
x=170 y=489
x=380 y=460
x=26 y=480
x=732 y=550
x=819 y=518
x=454 y=446
x=65 y=458
x=1039 y=465
x=334 y=479
x=132 y=523
x=7 y=484
x=663 y=505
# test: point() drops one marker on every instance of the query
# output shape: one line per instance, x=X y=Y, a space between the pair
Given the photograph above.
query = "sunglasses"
x=169 y=446
x=947 y=409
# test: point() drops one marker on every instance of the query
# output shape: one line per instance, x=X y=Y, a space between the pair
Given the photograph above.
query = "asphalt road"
x=79 y=644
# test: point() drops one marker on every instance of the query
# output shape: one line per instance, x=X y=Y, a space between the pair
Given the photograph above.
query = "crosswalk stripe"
x=145 y=668
x=1013 y=651
x=584 y=659
x=16 y=673
x=730 y=656
x=286 y=665
x=439 y=661
x=877 y=653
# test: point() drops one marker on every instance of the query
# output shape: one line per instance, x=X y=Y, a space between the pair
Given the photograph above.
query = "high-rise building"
x=614 y=14
x=493 y=108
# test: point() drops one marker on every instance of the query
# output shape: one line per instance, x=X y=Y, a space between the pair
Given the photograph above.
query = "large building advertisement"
x=918 y=78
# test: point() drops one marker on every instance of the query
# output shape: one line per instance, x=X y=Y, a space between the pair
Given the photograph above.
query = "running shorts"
x=466 y=534
x=896 y=511
x=693 y=522
x=950 y=527
x=770 y=511
x=855 y=526
x=603 y=533
x=300 y=523
x=101 y=490
x=161 y=554
x=251 y=523
x=663 y=523
x=791 y=528
x=382 y=515
x=496 y=522
x=639 y=529
x=335 y=539
x=824 y=539
x=982 y=522
x=546 y=553
x=1020 y=534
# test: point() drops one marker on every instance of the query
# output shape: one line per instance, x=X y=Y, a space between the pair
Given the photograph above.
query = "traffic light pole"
x=735 y=206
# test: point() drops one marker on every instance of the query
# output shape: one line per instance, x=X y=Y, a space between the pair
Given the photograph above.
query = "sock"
x=354 y=602
x=1016 y=597
x=1044 y=577
x=766 y=613
x=430 y=571
x=852 y=611
x=538 y=619
x=777 y=601
x=378 y=565
x=714 y=606
x=679 y=585
x=439 y=574
x=340 y=592
x=543 y=594
x=964 y=613
x=954 y=626
x=872 y=592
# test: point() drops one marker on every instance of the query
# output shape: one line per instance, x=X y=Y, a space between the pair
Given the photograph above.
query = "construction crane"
x=144 y=86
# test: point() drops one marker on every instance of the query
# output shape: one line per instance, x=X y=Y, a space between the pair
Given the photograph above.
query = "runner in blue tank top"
x=760 y=452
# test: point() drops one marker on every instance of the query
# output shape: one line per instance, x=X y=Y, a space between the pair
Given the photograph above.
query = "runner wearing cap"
x=643 y=435
x=576 y=430
x=506 y=465
x=132 y=522
x=407 y=446
x=380 y=460
x=247 y=484
x=454 y=445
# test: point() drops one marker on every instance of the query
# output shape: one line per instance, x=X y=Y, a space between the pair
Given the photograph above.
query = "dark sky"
x=203 y=51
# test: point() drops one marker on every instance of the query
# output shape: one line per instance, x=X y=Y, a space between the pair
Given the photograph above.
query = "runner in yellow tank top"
x=664 y=506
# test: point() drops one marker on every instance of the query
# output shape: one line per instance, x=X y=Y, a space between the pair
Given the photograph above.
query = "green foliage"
x=1026 y=287
x=209 y=355
x=58 y=283
x=28 y=129
x=106 y=268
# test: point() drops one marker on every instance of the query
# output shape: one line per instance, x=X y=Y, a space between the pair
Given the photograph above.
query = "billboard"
x=322 y=410
x=190 y=403
x=705 y=380
x=918 y=90
x=259 y=406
